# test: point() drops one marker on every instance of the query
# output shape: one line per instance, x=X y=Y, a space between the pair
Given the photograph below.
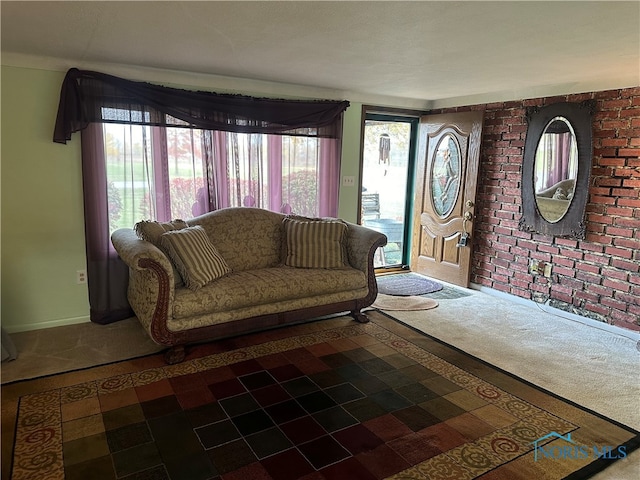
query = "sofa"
x=554 y=201
x=243 y=269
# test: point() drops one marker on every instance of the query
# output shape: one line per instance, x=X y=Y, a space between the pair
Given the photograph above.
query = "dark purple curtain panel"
x=88 y=96
x=107 y=274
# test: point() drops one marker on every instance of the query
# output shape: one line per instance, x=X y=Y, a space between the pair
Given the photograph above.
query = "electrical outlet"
x=547 y=270
x=348 y=181
x=534 y=266
x=81 y=276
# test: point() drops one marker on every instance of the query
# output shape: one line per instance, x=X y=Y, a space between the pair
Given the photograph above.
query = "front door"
x=447 y=172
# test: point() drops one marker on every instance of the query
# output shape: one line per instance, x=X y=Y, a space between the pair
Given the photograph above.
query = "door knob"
x=468 y=215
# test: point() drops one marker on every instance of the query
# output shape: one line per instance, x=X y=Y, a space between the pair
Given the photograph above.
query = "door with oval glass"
x=446 y=182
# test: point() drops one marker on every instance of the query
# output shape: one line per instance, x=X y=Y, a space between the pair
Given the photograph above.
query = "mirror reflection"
x=556 y=169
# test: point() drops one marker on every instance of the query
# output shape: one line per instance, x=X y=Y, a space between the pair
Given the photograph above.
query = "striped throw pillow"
x=315 y=244
x=152 y=231
x=194 y=256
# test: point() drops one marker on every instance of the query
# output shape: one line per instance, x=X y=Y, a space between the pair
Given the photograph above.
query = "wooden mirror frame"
x=572 y=224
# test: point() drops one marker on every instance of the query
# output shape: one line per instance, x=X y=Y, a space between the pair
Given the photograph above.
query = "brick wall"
x=598 y=277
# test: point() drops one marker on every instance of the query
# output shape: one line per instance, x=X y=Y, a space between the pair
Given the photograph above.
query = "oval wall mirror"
x=556 y=169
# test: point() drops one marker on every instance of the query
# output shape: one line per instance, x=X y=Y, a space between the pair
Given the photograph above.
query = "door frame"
x=370 y=112
x=435 y=234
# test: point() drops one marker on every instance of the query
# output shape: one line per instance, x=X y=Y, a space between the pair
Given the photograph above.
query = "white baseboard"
x=635 y=336
x=48 y=324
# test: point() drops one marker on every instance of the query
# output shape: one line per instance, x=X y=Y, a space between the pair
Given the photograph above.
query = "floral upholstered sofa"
x=238 y=270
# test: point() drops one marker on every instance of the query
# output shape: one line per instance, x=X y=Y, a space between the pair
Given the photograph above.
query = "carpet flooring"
x=323 y=400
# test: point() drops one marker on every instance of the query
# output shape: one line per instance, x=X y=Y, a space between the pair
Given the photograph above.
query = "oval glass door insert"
x=445 y=175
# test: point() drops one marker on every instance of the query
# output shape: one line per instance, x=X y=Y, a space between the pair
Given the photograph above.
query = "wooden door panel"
x=446 y=182
x=450 y=252
x=428 y=245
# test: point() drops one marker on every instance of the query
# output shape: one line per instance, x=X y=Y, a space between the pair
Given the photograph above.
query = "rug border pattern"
x=39 y=422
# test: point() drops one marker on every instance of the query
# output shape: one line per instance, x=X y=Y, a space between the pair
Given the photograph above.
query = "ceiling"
x=444 y=52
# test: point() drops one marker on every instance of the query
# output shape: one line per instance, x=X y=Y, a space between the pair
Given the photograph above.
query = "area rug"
x=332 y=399
x=406 y=284
x=396 y=303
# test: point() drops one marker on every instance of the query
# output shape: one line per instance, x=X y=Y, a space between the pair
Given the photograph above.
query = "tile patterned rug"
x=332 y=399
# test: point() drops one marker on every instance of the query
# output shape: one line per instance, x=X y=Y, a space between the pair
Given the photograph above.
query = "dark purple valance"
x=88 y=97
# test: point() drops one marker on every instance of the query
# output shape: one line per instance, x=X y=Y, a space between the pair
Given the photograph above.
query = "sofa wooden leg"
x=359 y=316
x=175 y=354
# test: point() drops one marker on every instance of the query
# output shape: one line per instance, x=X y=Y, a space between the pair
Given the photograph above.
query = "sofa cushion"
x=247 y=238
x=151 y=231
x=266 y=286
x=194 y=256
x=315 y=243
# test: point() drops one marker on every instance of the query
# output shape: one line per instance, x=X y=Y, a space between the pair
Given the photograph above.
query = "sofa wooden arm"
x=151 y=287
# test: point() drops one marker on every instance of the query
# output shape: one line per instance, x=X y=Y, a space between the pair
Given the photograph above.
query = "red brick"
x=563 y=297
x=597 y=308
x=627 y=243
x=613 y=303
x=602 y=200
x=566 y=262
x=611 y=162
x=616 y=104
x=577 y=254
x=619 y=232
x=590 y=297
x=628 y=202
x=631 y=183
x=625 y=265
x=600 y=290
x=597 y=259
x=618 y=252
x=607 y=182
x=627 y=298
x=566 y=242
x=616 y=285
x=588 y=267
x=629 y=152
x=548 y=249
x=594 y=217
x=614 y=273
x=588 y=277
x=624 y=192
x=627 y=320
x=627 y=222
x=567 y=272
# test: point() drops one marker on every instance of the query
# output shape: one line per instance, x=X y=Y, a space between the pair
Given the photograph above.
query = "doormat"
x=333 y=399
x=404 y=303
x=406 y=284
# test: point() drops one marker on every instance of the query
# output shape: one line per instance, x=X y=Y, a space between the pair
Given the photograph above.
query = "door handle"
x=464 y=236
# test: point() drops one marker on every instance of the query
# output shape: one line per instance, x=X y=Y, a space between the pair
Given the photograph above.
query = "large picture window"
x=157 y=173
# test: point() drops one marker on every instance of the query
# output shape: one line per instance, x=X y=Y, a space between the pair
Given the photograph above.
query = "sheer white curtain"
x=165 y=173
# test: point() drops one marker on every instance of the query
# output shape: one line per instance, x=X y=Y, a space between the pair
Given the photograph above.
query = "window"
x=164 y=173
